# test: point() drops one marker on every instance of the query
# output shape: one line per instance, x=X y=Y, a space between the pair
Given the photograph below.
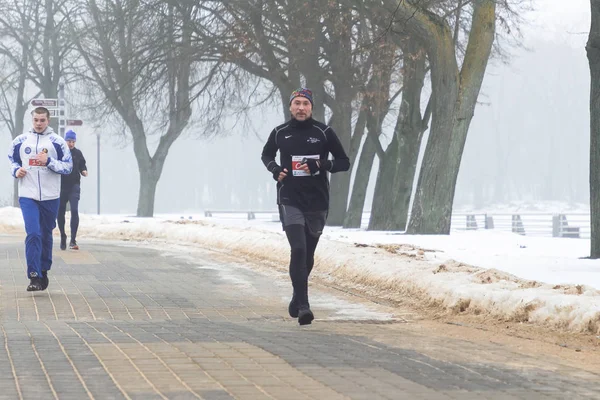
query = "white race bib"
x=297 y=165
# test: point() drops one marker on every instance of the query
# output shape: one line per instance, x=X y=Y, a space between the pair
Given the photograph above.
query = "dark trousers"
x=69 y=194
x=40 y=220
x=302 y=259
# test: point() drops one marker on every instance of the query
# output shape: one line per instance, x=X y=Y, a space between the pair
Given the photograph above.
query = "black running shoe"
x=45 y=280
x=293 y=307
x=35 y=285
x=73 y=245
x=305 y=316
x=63 y=242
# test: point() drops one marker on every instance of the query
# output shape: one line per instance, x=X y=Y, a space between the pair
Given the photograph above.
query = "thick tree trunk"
x=434 y=194
x=383 y=196
x=374 y=108
x=148 y=182
x=404 y=183
x=394 y=184
x=593 y=54
x=354 y=214
x=342 y=75
x=356 y=204
x=340 y=183
x=454 y=100
x=20 y=110
x=148 y=178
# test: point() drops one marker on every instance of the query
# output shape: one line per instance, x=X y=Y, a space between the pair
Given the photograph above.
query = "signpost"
x=56 y=107
x=61 y=108
x=51 y=105
x=48 y=103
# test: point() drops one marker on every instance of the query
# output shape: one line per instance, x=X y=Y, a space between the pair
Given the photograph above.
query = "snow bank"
x=390 y=271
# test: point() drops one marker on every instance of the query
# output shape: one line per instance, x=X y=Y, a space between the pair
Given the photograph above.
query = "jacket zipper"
x=38 y=172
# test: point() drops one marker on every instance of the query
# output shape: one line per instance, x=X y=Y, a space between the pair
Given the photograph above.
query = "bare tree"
x=454 y=17
x=455 y=94
x=324 y=45
x=398 y=164
x=455 y=91
x=35 y=49
x=12 y=110
x=12 y=94
x=375 y=104
x=142 y=58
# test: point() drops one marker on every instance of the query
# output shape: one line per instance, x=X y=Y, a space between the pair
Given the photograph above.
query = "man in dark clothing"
x=70 y=191
x=303 y=194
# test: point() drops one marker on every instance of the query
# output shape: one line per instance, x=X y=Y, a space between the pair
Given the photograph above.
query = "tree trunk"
x=340 y=183
x=354 y=214
x=49 y=80
x=403 y=183
x=384 y=194
x=342 y=76
x=593 y=54
x=20 y=110
x=147 y=193
x=374 y=108
x=284 y=93
x=390 y=207
x=148 y=179
x=454 y=100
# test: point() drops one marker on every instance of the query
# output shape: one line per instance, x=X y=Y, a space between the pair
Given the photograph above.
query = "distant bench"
x=560 y=225
x=540 y=223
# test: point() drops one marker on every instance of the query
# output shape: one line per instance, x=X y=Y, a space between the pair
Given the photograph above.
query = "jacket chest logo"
x=313 y=140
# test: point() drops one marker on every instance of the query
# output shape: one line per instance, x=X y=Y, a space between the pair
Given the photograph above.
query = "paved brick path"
x=125 y=322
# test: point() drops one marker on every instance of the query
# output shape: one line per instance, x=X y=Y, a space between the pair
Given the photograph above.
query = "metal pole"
x=61 y=109
x=98 y=172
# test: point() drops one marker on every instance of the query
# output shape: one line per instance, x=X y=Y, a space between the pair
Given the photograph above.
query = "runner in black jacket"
x=303 y=188
x=70 y=191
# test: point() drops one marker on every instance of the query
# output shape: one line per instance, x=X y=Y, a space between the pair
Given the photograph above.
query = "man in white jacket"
x=37 y=159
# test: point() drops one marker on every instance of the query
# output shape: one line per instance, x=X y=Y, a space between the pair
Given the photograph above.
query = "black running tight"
x=302 y=259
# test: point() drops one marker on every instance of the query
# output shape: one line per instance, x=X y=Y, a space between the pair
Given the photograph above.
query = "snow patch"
x=394 y=266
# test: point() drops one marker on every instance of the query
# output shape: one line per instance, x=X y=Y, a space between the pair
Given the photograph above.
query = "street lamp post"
x=98 y=172
x=61 y=108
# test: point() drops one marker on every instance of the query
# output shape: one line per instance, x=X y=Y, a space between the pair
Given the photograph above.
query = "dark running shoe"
x=73 y=245
x=305 y=316
x=293 y=307
x=45 y=280
x=63 y=242
x=35 y=285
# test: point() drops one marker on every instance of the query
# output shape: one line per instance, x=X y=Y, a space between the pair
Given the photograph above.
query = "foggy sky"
x=532 y=107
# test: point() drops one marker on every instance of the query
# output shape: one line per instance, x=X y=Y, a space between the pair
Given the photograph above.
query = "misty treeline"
x=152 y=69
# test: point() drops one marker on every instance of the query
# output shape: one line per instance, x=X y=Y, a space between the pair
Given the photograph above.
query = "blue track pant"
x=40 y=220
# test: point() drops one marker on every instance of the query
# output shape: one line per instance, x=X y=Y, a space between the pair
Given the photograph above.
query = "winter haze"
x=529 y=139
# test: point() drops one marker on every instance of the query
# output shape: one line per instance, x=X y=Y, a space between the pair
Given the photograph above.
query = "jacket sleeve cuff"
x=48 y=161
x=271 y=166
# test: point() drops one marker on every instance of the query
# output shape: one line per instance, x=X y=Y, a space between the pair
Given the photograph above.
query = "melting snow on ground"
x=545 y=281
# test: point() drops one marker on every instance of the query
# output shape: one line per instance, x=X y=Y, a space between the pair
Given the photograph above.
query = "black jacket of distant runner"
x=74 y=178
x=298 y=142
